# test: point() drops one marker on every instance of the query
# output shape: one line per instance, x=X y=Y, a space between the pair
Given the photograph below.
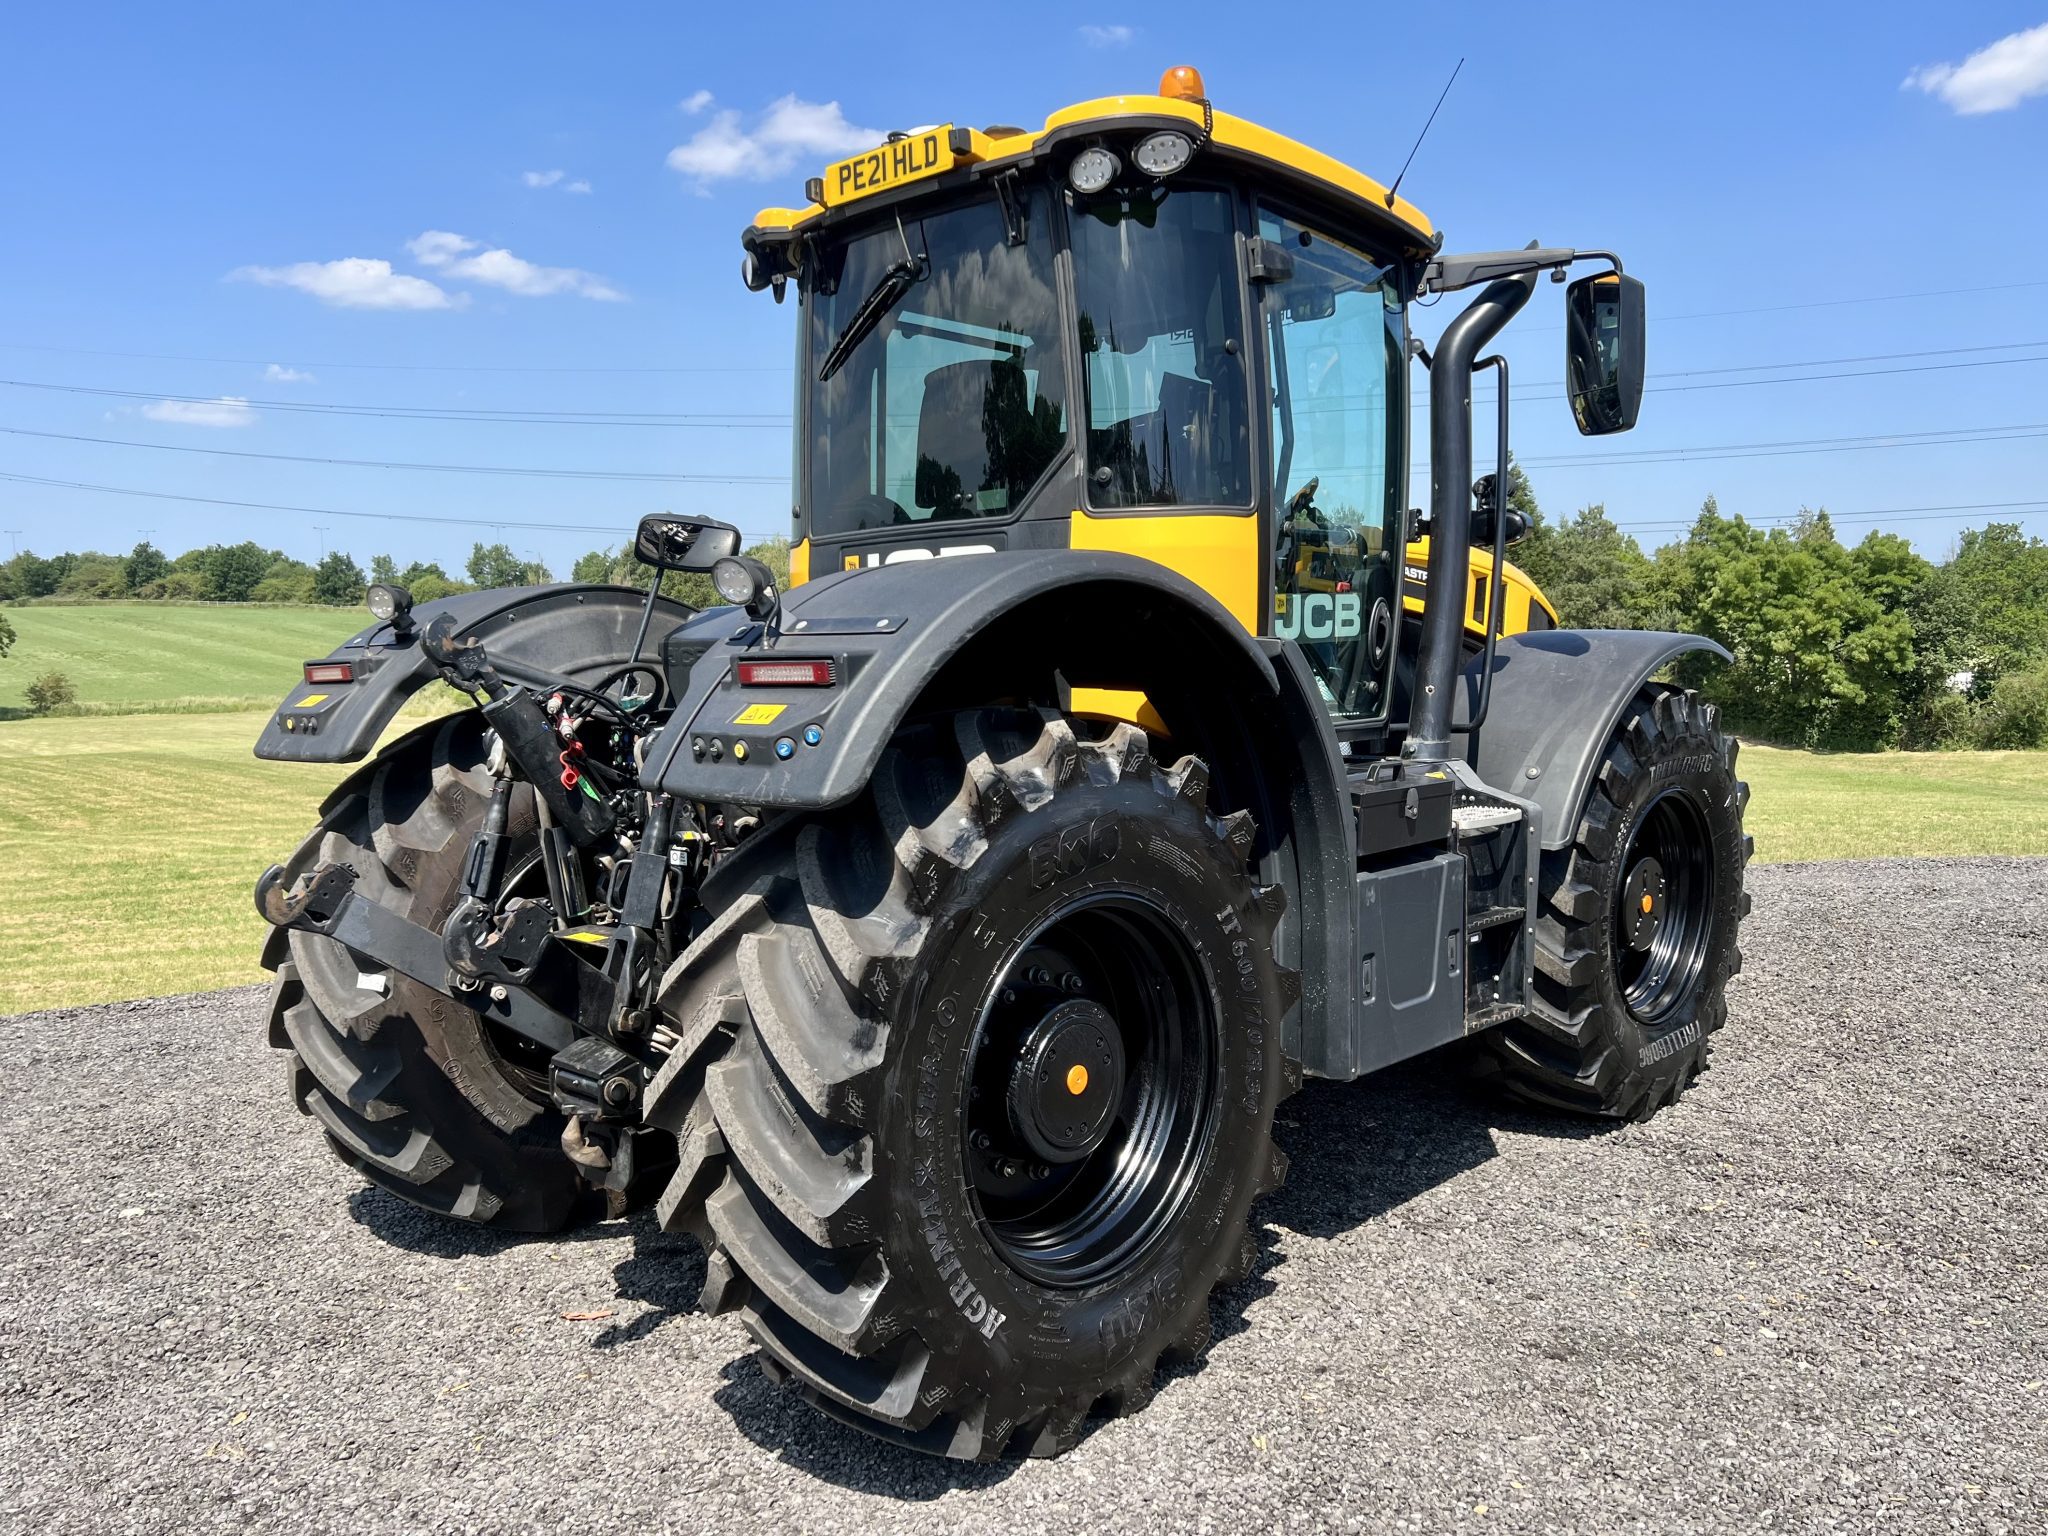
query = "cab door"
x=1335 y=354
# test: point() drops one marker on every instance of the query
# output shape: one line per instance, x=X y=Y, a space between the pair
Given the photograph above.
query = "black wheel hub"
x=1663 y=921
x=1092 y=1091
x=1643 y=904
x=1068 y=1082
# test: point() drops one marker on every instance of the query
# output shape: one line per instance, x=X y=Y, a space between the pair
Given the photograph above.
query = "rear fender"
x=955 y=633
x=1557 y=695
x=572 y=630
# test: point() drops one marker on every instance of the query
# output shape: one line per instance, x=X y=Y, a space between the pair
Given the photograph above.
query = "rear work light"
x=330 y=672
x=785 y=674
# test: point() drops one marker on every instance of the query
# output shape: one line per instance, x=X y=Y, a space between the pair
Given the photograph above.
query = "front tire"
x=1639 y=923
x=975 y=1084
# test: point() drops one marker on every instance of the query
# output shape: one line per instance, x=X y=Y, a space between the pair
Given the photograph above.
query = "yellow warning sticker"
x=310 y=700
x=850 y=563
x=759 y=714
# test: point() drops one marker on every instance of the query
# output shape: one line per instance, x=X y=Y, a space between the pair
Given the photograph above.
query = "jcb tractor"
x=934 y=934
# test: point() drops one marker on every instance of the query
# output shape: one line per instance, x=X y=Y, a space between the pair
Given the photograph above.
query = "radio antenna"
x=1425 y=131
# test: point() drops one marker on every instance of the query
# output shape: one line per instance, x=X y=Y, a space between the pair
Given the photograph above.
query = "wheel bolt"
x=1040 y=976
x=1072 y=981
x=979 y=1141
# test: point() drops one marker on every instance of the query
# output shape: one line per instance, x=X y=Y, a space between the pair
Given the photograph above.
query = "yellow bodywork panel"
x=1216 y=551
x=1520 y=598
x=799 y=562
x=1117 y=704
x=933 y=151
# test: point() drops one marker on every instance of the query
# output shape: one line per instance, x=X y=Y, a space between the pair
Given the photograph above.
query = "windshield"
x=953 y=402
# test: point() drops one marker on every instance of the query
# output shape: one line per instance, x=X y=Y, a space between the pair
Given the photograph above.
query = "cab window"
x=1161 y=339
x=952 y=404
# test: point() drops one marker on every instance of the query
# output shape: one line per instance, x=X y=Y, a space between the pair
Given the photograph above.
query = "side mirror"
x=670 y=543
x=1603 y=350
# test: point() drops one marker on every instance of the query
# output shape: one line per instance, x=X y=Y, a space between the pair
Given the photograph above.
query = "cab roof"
x=954 y=156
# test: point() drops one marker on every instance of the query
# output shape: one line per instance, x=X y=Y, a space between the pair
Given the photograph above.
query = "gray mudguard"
x=888 y=631
x=574 y=631
x=1556 y=696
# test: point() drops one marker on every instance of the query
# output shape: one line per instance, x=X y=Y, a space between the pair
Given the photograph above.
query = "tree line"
x=1843 y=647
x=249 y=573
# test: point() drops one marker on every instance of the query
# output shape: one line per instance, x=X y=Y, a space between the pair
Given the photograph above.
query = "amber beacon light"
x=1183 y=82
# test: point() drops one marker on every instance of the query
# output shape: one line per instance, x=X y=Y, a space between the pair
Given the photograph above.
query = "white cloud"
x=1107 y=37
x=278 y=373
x=696 y=102
x=353 y=282
x=1993 y=78
x=451 y=255
x=227 y=411
x=791 y=130
x=543 y=179
x=437 y=247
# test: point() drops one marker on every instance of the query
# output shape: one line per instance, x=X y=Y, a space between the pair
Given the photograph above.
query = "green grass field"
x=152 y=657
x=130 y=845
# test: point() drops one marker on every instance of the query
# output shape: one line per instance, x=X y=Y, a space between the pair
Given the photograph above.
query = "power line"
x=629 y=371
x=438 y=413
x=271 y=506
x=461 y=469
x=1939 y=512
x=1792 y=446
x=264 y=362
x=1874 y=298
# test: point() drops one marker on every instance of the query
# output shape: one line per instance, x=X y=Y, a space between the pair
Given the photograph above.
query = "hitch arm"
x=326 y=902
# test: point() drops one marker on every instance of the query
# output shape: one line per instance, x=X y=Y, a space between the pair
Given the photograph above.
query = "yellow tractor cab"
x=1225 y=392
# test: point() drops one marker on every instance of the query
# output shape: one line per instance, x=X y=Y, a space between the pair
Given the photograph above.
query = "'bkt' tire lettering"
x=1321 y=616
x=1072 y=850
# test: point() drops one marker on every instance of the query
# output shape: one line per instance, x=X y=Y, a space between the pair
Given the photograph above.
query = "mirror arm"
x=646 y=614
x=1447 y=274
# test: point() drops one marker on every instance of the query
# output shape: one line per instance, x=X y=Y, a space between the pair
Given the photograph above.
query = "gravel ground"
x=1811 y=1298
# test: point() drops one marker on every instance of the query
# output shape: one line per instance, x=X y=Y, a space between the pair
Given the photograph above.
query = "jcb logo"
x=1321 y=616
x=898 y=556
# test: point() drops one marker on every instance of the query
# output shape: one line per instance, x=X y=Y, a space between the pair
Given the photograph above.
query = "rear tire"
x=884 y=1072
x=1638 y=926
x=405 y=1082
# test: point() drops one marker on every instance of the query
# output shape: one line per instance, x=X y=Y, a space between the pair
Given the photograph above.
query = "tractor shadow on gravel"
x=1356 y=1151
x=1359 y=1150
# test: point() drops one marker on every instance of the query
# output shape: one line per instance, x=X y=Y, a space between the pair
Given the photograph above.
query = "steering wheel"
x=1304 y=500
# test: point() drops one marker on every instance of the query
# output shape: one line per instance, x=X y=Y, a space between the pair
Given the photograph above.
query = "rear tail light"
x=785 y=674
x=330 y=672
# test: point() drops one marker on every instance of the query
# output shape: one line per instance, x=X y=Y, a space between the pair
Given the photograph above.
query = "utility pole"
x=321 y=529
x=14 y=538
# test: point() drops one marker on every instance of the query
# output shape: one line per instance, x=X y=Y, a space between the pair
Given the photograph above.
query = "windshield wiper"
x=882 y=298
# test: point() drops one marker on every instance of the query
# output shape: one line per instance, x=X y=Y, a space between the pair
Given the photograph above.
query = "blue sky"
x=198 y=201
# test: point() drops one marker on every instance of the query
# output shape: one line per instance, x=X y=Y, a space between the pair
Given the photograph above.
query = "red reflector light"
x=785 y=674
x=330 y=672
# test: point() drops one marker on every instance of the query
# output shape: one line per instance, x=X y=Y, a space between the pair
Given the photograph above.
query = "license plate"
x=890 y=165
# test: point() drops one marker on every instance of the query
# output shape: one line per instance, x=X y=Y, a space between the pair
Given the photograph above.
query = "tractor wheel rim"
x=1109 y=962
x=1664 y=909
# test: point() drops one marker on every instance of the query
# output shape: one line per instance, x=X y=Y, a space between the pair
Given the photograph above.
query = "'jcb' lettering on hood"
x=898 y=556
